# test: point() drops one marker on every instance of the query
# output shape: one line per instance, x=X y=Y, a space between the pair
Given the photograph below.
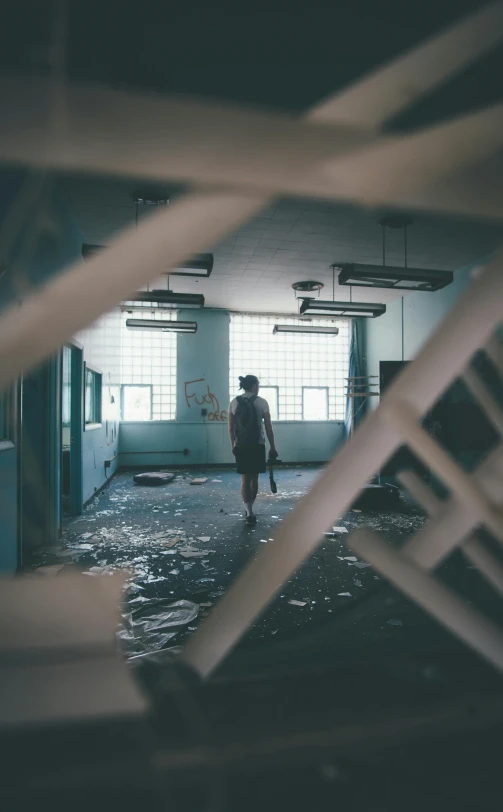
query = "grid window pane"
x=288 y=363
x=133 y=358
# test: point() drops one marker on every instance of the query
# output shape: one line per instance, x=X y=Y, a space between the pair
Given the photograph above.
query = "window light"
x=133 y=357
x=288 y=362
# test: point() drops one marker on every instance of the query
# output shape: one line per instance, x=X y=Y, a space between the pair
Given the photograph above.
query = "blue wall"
x=43 y=247
x=99 y=444
x=203 y=383
x=423 y=312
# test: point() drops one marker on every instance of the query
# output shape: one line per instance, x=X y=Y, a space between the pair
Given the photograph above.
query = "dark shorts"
x=250 y=459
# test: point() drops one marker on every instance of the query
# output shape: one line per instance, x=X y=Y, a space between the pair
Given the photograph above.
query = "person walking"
x=248 y=416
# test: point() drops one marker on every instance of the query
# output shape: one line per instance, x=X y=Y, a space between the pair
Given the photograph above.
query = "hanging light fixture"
x=165 y=326
x=163 y=300
x=199 y=265
x=318 y=307
x=393 y=276
x=376 y=276
x=323 y=307
x=293 y=328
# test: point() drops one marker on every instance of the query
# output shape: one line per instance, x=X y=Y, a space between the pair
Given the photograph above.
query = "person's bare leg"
x=246 y=493
x=254 y=487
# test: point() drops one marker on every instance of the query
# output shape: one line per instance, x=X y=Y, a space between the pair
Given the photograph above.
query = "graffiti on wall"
x=198 y=393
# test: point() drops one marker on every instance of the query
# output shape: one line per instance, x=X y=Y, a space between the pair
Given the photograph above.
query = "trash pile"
x=151 y=627
x=150 y=621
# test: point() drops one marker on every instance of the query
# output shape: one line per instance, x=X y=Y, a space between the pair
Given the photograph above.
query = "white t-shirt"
x=261 y=407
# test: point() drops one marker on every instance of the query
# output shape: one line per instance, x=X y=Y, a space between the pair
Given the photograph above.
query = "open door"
x=71 y=430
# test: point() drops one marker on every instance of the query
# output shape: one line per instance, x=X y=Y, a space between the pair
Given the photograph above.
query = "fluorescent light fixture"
x=386 y=276
x=318 y=307
x=293 y=328
x=165 y=326
x=164 y=299
x=198 y=265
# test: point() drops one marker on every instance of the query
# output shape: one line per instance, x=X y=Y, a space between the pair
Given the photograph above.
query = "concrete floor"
x=131 y=527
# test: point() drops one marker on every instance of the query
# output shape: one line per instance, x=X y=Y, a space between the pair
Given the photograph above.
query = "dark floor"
x=355 y=701
x=131 y=527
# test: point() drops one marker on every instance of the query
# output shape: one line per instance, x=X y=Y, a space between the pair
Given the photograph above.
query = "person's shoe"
x=251 y=520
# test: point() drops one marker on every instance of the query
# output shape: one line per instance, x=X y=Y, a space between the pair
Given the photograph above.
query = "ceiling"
x=284 y=56
x=289 y=241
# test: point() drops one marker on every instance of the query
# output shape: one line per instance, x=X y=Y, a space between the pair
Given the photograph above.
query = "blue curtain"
x=356 y=368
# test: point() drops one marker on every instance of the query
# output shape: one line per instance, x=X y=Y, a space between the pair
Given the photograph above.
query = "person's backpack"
x=246 y=426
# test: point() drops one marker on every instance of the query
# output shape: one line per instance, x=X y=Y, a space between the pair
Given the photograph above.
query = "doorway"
x=71 y=430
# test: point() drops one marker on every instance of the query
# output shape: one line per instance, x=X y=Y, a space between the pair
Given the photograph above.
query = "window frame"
x=312 y=419
x=97 y=397
x=136 y=386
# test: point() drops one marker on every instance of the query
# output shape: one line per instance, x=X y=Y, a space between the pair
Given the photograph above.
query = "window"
x=92 y=397
x=134 y=358
x=290 y=363
x=136 y=402
x=270 y=393
x=315 y=402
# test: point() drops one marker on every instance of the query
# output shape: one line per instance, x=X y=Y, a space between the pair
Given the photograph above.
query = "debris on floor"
x=153 y=478
x=135 y=530
x=171 y=542
x=394 y=622
x=199 y=480
x=340 y=529
x=143 y=632
x=195 y=553
x=344 y=595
